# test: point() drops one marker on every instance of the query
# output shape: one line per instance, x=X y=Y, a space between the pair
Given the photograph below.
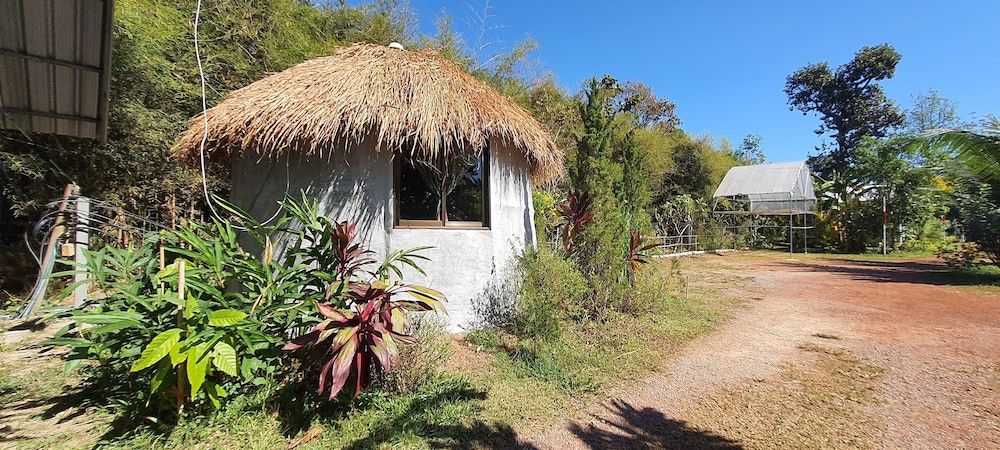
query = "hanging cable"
x=204 y=136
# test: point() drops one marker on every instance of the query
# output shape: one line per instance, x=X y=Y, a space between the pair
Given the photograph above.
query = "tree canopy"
x=849 y=100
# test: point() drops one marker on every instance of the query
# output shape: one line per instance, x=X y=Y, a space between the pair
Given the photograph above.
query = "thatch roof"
x=415 y=101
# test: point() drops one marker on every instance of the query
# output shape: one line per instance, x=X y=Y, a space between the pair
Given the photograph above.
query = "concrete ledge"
x=694 y=252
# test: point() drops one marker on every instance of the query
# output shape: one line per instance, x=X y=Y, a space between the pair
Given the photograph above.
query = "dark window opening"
x=449 y=191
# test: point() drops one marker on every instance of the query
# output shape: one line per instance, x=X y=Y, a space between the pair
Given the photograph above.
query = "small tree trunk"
x=182 y=368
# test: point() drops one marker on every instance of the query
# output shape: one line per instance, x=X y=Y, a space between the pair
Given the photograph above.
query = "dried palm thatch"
x=410 y=101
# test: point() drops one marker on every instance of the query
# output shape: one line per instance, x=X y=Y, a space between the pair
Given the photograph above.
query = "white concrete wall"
x=357 y=186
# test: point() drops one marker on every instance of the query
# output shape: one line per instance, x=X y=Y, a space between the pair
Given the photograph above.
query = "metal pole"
x=885 y=218
x=790 y=219
x=805 y=233
x=82 y=242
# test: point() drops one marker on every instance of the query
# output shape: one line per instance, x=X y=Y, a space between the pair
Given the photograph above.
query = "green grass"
x=440 y=414
x=983 y=276
x=590 y=359
x=494 y=388
x=45 y=382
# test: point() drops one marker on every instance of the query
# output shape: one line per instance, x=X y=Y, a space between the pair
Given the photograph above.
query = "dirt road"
x=826 y=353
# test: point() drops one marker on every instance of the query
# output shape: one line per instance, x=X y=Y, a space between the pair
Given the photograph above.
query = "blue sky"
x=724 y=63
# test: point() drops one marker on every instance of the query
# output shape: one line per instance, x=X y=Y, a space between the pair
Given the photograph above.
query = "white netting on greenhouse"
x=771 y=189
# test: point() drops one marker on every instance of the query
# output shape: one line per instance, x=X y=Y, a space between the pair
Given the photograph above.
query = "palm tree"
x=980 y=151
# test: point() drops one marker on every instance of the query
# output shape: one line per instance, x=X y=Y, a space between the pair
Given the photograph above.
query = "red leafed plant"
x=361 y=340
x=577 y=214
x=350 y=257
x=636 y=255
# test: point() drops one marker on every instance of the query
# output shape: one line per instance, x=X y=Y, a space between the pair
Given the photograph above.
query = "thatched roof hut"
x=406 y=144
x=414 y=101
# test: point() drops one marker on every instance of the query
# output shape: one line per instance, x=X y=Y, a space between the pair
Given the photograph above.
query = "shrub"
x=495 y=307
x=191 y=316
x=421 y=362
x=363 y=311
x=532 y=298
x=362 y=342
x=177 y=333
x=931 y=237
x=714 y=237
x=960 y=256
x=648 y=291
x=553 y=289
x=546 y=213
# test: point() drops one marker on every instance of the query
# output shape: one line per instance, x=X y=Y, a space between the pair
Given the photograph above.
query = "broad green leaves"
x=158 y=348
x=224 y=358
x=225 y=317
x=218 y=336
x=198 y=359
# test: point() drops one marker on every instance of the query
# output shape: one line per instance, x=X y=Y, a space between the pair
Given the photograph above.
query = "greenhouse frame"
x=781 y=189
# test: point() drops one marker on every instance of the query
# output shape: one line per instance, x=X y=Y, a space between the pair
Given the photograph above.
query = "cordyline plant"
x=361 y=341
x=576 y=214
x=636 y=254
x=159 y=343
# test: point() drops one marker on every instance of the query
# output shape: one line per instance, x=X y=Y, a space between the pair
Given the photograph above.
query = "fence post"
x=49 y=257
x=82 y=243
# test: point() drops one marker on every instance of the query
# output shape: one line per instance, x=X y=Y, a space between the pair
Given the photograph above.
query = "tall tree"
x=931 y=111
x=749 y=151
x=849 y=100
x=598 y=176
x=633 y=192
x=638 y=98
x=690 y=174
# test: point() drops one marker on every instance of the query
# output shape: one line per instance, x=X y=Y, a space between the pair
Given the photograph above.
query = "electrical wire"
x=204 y=136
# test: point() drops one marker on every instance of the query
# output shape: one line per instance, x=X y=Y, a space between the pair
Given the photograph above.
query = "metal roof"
x=55 y=66
x=783 y=188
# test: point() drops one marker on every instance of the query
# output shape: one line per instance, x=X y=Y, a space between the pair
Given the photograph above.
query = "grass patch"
x=442 y=413
x=493 y=387
x=831 y=336
x=590 y=358
x=982 y=276
x=814 y=405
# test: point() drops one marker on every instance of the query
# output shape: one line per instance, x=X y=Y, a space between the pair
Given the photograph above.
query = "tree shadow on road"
x=916 y=272
x=647 y=428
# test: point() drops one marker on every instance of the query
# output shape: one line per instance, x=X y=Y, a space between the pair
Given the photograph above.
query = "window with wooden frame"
x=450 y=191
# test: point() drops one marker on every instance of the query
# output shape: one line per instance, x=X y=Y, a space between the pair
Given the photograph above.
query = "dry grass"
x=38 y=410
x=403 y=99
x=824 y=335
x=821 y=404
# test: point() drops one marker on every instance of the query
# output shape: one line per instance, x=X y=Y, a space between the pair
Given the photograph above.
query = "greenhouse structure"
x=783 y=189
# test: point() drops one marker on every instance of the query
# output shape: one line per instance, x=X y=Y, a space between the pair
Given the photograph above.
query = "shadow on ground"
x=420 y=418
x=916 y=272
x=436 y=415
x=647 y=428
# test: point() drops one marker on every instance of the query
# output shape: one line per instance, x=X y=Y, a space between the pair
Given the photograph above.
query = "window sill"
x=439 y=227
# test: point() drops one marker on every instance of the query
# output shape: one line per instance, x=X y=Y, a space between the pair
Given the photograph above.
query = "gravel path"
x=939 y=347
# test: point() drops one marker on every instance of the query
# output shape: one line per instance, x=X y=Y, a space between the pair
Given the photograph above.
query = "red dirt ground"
x=938 y=344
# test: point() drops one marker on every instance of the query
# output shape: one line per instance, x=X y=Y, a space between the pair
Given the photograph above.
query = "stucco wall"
x=357 y=186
